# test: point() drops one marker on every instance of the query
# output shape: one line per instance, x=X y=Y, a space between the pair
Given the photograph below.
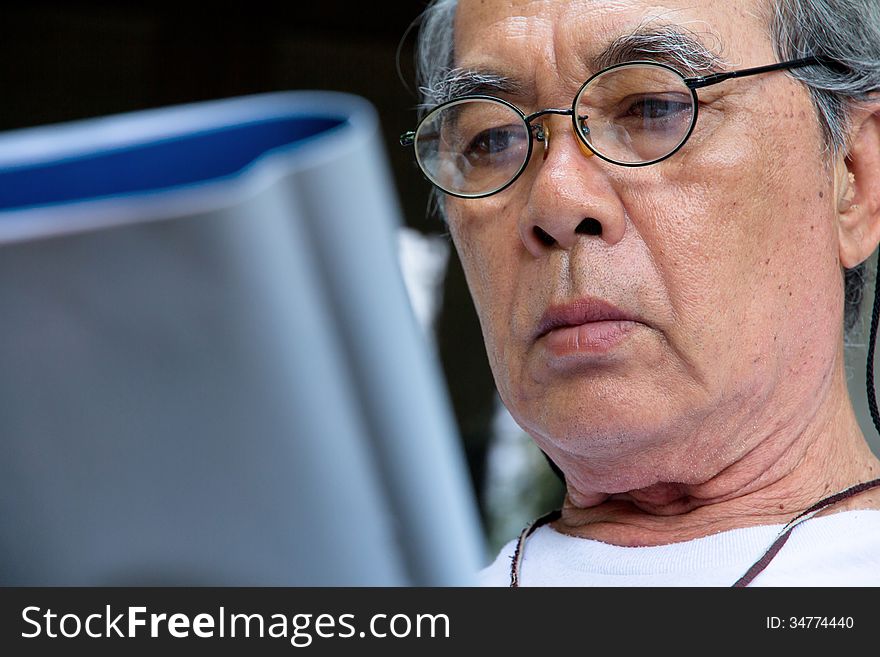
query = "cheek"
x=476 y=242
x=488 y=247
x=743 y=242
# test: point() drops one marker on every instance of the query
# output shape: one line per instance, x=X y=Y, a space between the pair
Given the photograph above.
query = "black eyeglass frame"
x=408 y=138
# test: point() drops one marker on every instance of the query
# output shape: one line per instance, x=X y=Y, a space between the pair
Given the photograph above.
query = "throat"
x=662 y=499
x=631 y=520
x=671 y=513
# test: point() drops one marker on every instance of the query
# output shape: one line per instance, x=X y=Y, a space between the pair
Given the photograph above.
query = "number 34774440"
x=809 y=622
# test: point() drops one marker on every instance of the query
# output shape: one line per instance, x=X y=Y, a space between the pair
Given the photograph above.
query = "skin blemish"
x=821 y=194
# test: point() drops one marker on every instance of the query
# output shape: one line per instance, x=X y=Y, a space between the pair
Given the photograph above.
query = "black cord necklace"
x=783 y=536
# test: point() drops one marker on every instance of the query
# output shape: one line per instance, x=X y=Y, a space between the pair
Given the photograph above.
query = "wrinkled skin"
x=725 y=402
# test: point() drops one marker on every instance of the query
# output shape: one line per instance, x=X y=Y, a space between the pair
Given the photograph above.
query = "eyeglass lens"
x=472 y=147
x=633 y=114
x=636 y=114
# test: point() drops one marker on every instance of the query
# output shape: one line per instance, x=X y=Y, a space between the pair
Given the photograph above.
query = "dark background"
x=61 y=61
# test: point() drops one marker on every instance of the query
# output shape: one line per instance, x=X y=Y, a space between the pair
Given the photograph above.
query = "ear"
x=857 y=188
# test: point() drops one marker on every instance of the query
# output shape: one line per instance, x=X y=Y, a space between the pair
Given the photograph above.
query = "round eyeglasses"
x=631 y=114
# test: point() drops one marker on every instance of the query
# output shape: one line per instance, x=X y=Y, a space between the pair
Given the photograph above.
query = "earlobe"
x=857 y=189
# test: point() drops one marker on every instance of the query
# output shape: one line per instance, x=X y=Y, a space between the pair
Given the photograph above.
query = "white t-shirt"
x=842 y=549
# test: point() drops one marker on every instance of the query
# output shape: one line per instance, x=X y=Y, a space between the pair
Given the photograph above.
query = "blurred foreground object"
x=209 y=371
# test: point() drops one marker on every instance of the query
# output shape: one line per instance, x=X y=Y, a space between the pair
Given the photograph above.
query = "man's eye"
x=655 y=108
x=493 y=141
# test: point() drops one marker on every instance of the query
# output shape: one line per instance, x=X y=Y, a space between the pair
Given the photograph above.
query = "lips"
x=581 y=312
x=585 y=328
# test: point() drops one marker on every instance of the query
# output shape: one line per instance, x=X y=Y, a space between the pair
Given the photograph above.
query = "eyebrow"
x=668 y=44
x=457 y=82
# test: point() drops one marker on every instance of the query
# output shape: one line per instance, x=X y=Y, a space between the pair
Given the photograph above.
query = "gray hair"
x=845 y=31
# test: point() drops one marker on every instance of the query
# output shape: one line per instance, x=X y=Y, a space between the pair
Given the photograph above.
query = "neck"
x=783 y=474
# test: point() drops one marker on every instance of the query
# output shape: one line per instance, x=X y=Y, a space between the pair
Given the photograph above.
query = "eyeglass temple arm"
x=715 y=78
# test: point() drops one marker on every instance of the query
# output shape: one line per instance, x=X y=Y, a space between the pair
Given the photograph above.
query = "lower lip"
x=589 y=338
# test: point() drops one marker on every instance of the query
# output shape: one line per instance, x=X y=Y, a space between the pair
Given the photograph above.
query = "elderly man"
x=656 y=205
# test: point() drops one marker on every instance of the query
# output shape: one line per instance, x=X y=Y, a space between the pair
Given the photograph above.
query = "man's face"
x=723 y=258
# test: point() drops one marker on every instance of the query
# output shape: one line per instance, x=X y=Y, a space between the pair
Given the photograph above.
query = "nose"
x=571 y=197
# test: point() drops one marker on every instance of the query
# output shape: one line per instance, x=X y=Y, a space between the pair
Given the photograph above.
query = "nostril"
x=543 y=236
x=589 y=226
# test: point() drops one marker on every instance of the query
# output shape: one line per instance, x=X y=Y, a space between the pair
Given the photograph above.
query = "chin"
x=591 y=435
x=606 y=432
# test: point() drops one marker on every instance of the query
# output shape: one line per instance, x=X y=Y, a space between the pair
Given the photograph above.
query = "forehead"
x=503 y=33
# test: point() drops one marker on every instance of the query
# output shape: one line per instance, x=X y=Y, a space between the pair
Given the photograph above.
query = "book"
x=209 y=370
